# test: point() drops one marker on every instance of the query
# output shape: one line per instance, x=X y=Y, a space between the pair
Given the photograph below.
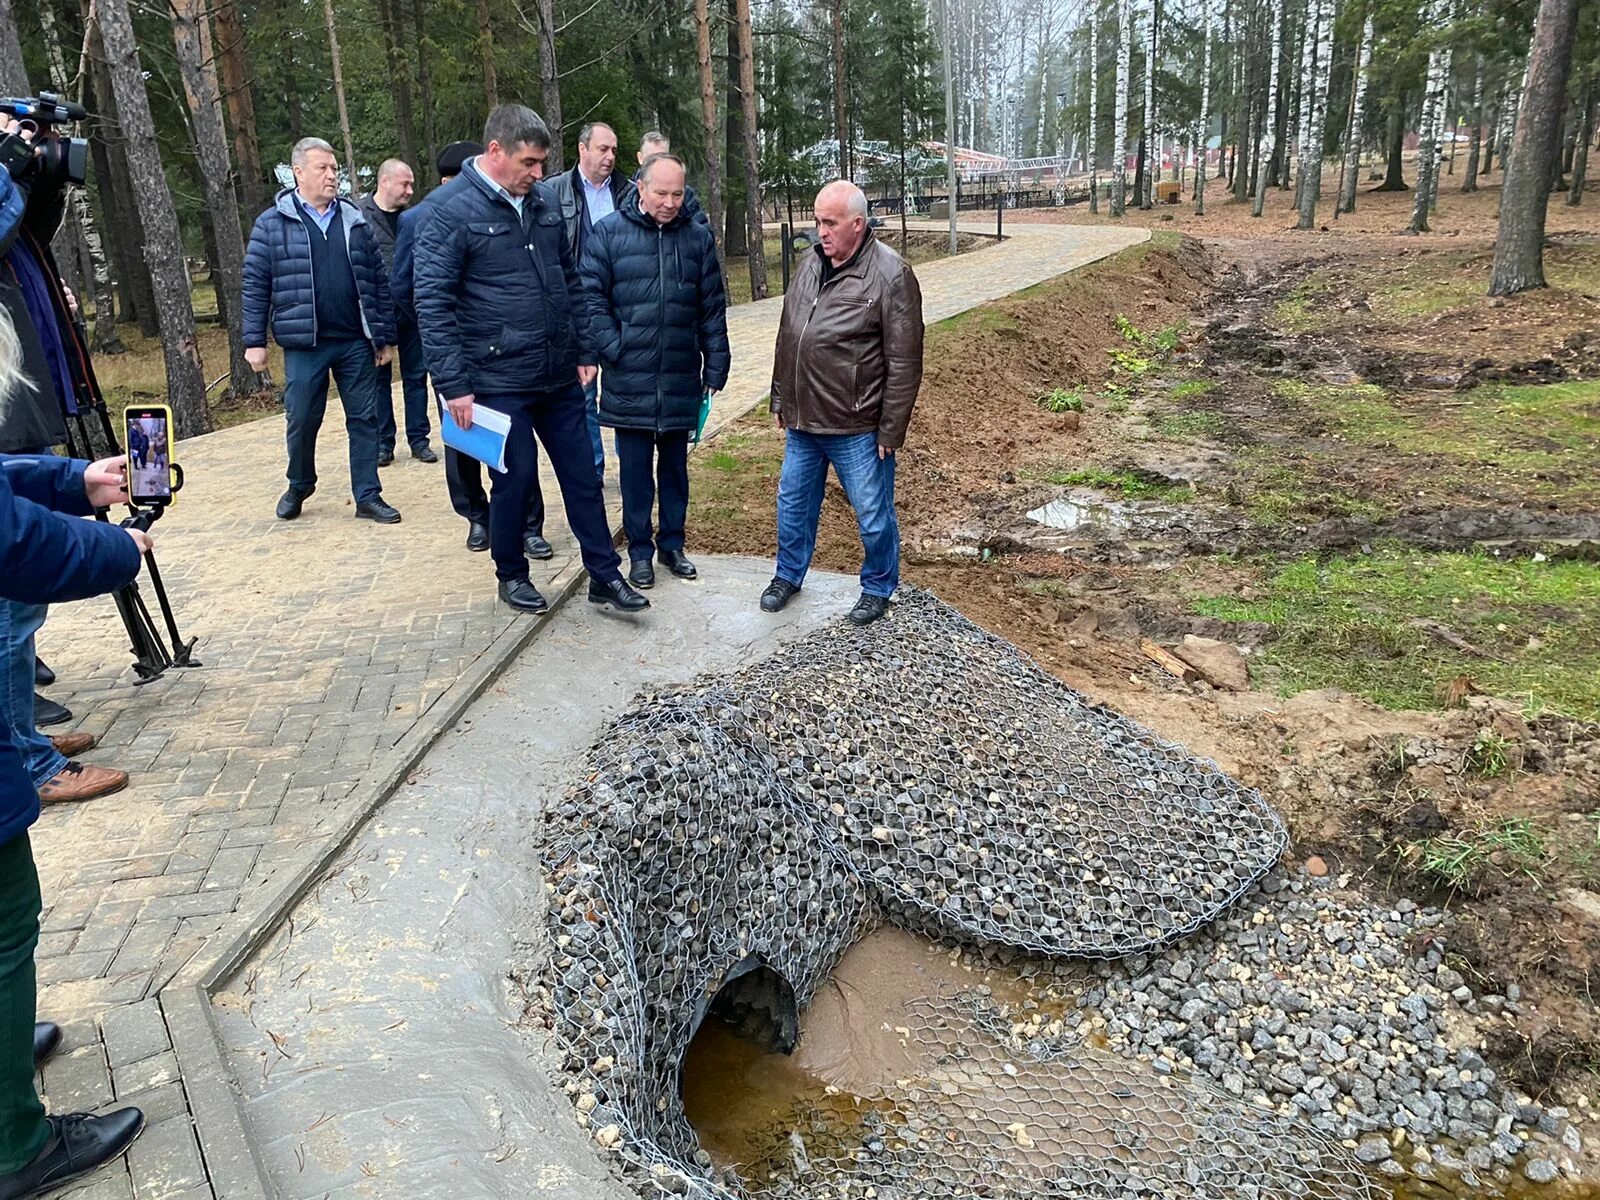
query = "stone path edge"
x=235 y=1171
x=232 y=1165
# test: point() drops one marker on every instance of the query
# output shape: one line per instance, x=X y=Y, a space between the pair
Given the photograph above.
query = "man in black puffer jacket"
x=503 y=323
x=658 y=313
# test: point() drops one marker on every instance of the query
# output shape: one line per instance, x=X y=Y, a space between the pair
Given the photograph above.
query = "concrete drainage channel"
x=1018 y=947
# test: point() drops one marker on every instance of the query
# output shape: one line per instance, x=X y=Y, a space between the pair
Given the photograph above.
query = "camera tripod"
x=151 y=654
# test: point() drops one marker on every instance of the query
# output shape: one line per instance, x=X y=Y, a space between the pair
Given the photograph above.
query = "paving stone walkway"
x=324 y=641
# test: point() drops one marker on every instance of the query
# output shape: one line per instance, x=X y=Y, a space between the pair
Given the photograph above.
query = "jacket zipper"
x=311 y=267
x=351 y=259
x=661 y=305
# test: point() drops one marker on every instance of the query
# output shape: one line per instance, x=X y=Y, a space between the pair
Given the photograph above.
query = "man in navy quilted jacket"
x=315 y=274
x=658 y=314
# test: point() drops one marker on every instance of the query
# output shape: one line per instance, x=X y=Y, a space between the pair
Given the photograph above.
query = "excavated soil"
x=1255 y=324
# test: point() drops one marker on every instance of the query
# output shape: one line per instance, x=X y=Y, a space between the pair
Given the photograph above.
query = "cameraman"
x=32 y=420
x=45 y=556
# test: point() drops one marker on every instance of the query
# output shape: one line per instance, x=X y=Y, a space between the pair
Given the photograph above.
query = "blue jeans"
x=413 y=386
x=18 y=623
x=591 y=404
x=305 y=400
x=868 y=483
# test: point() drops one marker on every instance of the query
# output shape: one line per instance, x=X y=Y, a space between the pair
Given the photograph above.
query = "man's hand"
x=884 y=451
x=256 y=356
x=106 y=482
x=140 y=538
x=385 y=355
x=586 y=375
x=778 y=417
x=72 y=301
x=461 y=410
x=9 y=124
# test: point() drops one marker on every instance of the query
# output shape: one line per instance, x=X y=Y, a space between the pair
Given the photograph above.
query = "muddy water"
x=855 y=1045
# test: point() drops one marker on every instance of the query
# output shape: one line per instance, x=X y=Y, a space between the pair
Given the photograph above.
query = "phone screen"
x=149 y=445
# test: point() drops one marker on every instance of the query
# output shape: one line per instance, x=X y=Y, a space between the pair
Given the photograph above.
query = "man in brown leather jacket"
x=847 y=369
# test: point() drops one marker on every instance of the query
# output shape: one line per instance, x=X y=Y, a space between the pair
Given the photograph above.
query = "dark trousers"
x=463 y=479
x=413 y=384
x=305 y=401
x=23 y=1131
x=557 y=418
x=650 y=462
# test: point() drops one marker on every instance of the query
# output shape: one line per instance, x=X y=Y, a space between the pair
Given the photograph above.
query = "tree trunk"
x=491 y=78
x=1311 y=149
x=1358 y=112
x=216 y=179
x=708 y=118
x=1580 y=162
x=1470 y=183
x=1094 y=108
x=1270 y=129
x=86 y=258
x=841 y=112
x=1144 y=183
x=254 y=191
x=1119 y=133
x=13 y=70
x=338 y=95
x=405 y=122
x=1205 y=109
x=163 y=242
x=752 y=151
x=1432 y=122
x=1519 y=250
x=547 y=77
x=123 y=220
x=1394 y=179
x=735 y=230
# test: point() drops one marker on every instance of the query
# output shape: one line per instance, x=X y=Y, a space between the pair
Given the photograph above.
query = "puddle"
x=1074 y=513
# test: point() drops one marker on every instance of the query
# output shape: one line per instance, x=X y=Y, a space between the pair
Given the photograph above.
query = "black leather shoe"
x=423 y=452
x=386 y=456
x=535 y=547
x=677 y=564
x=47 y=712
x=78 y=1144
x=779 y=592
x=523 y=596
x=46 y=1037
x=43 y=676
x=289 y=505
x=641 y=574
x=618 y=595
x=478 y=536
x=377 y=510
x=869 y=608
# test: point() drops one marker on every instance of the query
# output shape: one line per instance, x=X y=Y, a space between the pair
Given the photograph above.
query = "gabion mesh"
x=924 y=771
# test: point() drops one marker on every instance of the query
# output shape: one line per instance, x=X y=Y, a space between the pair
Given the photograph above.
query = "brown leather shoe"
x=73 y=744
x=78 y=781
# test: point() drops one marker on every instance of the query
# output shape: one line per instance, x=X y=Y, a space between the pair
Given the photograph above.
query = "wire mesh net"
x=752 y=827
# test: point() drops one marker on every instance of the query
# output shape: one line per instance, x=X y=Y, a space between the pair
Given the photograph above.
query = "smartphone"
x=149 y=441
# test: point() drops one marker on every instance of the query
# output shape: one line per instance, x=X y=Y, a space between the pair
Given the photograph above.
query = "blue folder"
x=485 y=441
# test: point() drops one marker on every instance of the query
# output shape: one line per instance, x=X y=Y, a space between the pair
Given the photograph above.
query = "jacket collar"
x=629 y=207
x=288 y=203
x=469 y=171
x=853 y=264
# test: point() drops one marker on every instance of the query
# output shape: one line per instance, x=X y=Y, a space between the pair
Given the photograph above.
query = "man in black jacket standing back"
x=658 y=313
x=503 y=321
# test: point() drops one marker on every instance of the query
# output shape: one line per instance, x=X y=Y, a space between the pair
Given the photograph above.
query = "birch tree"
x=1268 y=143
x=1094 y=108
x=1432 y=118
x=1119 y=131
x=1474 y=150
x=1152 y=154
x=1205 y=110
x=1358 y=106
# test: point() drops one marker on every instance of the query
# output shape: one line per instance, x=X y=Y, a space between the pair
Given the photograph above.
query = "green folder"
x=705 y=412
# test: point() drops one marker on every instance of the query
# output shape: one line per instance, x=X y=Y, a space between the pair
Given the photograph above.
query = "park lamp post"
x=1061 y=148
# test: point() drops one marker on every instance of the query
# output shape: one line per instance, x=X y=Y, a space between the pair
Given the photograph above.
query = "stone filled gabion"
x=920 y=769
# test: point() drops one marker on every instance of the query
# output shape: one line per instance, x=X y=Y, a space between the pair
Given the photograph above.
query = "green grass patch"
x=1193 y=389
x=986 y=318
x=1060 y=400
x=1192 y=424
x=1130 y=485
x=1349 y=623
x=1458 y=859
x=1299 y=312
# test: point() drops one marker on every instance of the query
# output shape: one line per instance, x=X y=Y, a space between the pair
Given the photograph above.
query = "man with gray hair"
x=653 y=143
x=844 y=392
x=504 y=324
x=382 y=208
x=315 y=274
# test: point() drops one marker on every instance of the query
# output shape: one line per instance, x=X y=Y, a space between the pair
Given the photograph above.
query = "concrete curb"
x=215 y=1098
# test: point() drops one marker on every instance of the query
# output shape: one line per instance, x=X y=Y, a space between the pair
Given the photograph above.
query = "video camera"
x=56 y=159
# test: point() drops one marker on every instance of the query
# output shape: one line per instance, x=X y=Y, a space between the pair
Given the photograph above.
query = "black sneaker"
x=78 y=1144
x=522 y=596
x=779 y=592
x=536 y=548
x=423 y=452
x=641 y=574
x=377 y=510
x=617 y=595
x=868 y=609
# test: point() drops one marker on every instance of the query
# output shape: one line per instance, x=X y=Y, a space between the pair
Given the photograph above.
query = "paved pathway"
x=325 y=640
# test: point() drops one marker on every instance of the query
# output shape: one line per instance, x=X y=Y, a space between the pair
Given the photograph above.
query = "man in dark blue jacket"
x=503 y=322
x=658 y=313
x=463 y=474
x=314 y=267
x=46 y=558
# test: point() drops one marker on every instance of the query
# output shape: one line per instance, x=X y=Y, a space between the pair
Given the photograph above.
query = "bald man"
x=844 y=393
